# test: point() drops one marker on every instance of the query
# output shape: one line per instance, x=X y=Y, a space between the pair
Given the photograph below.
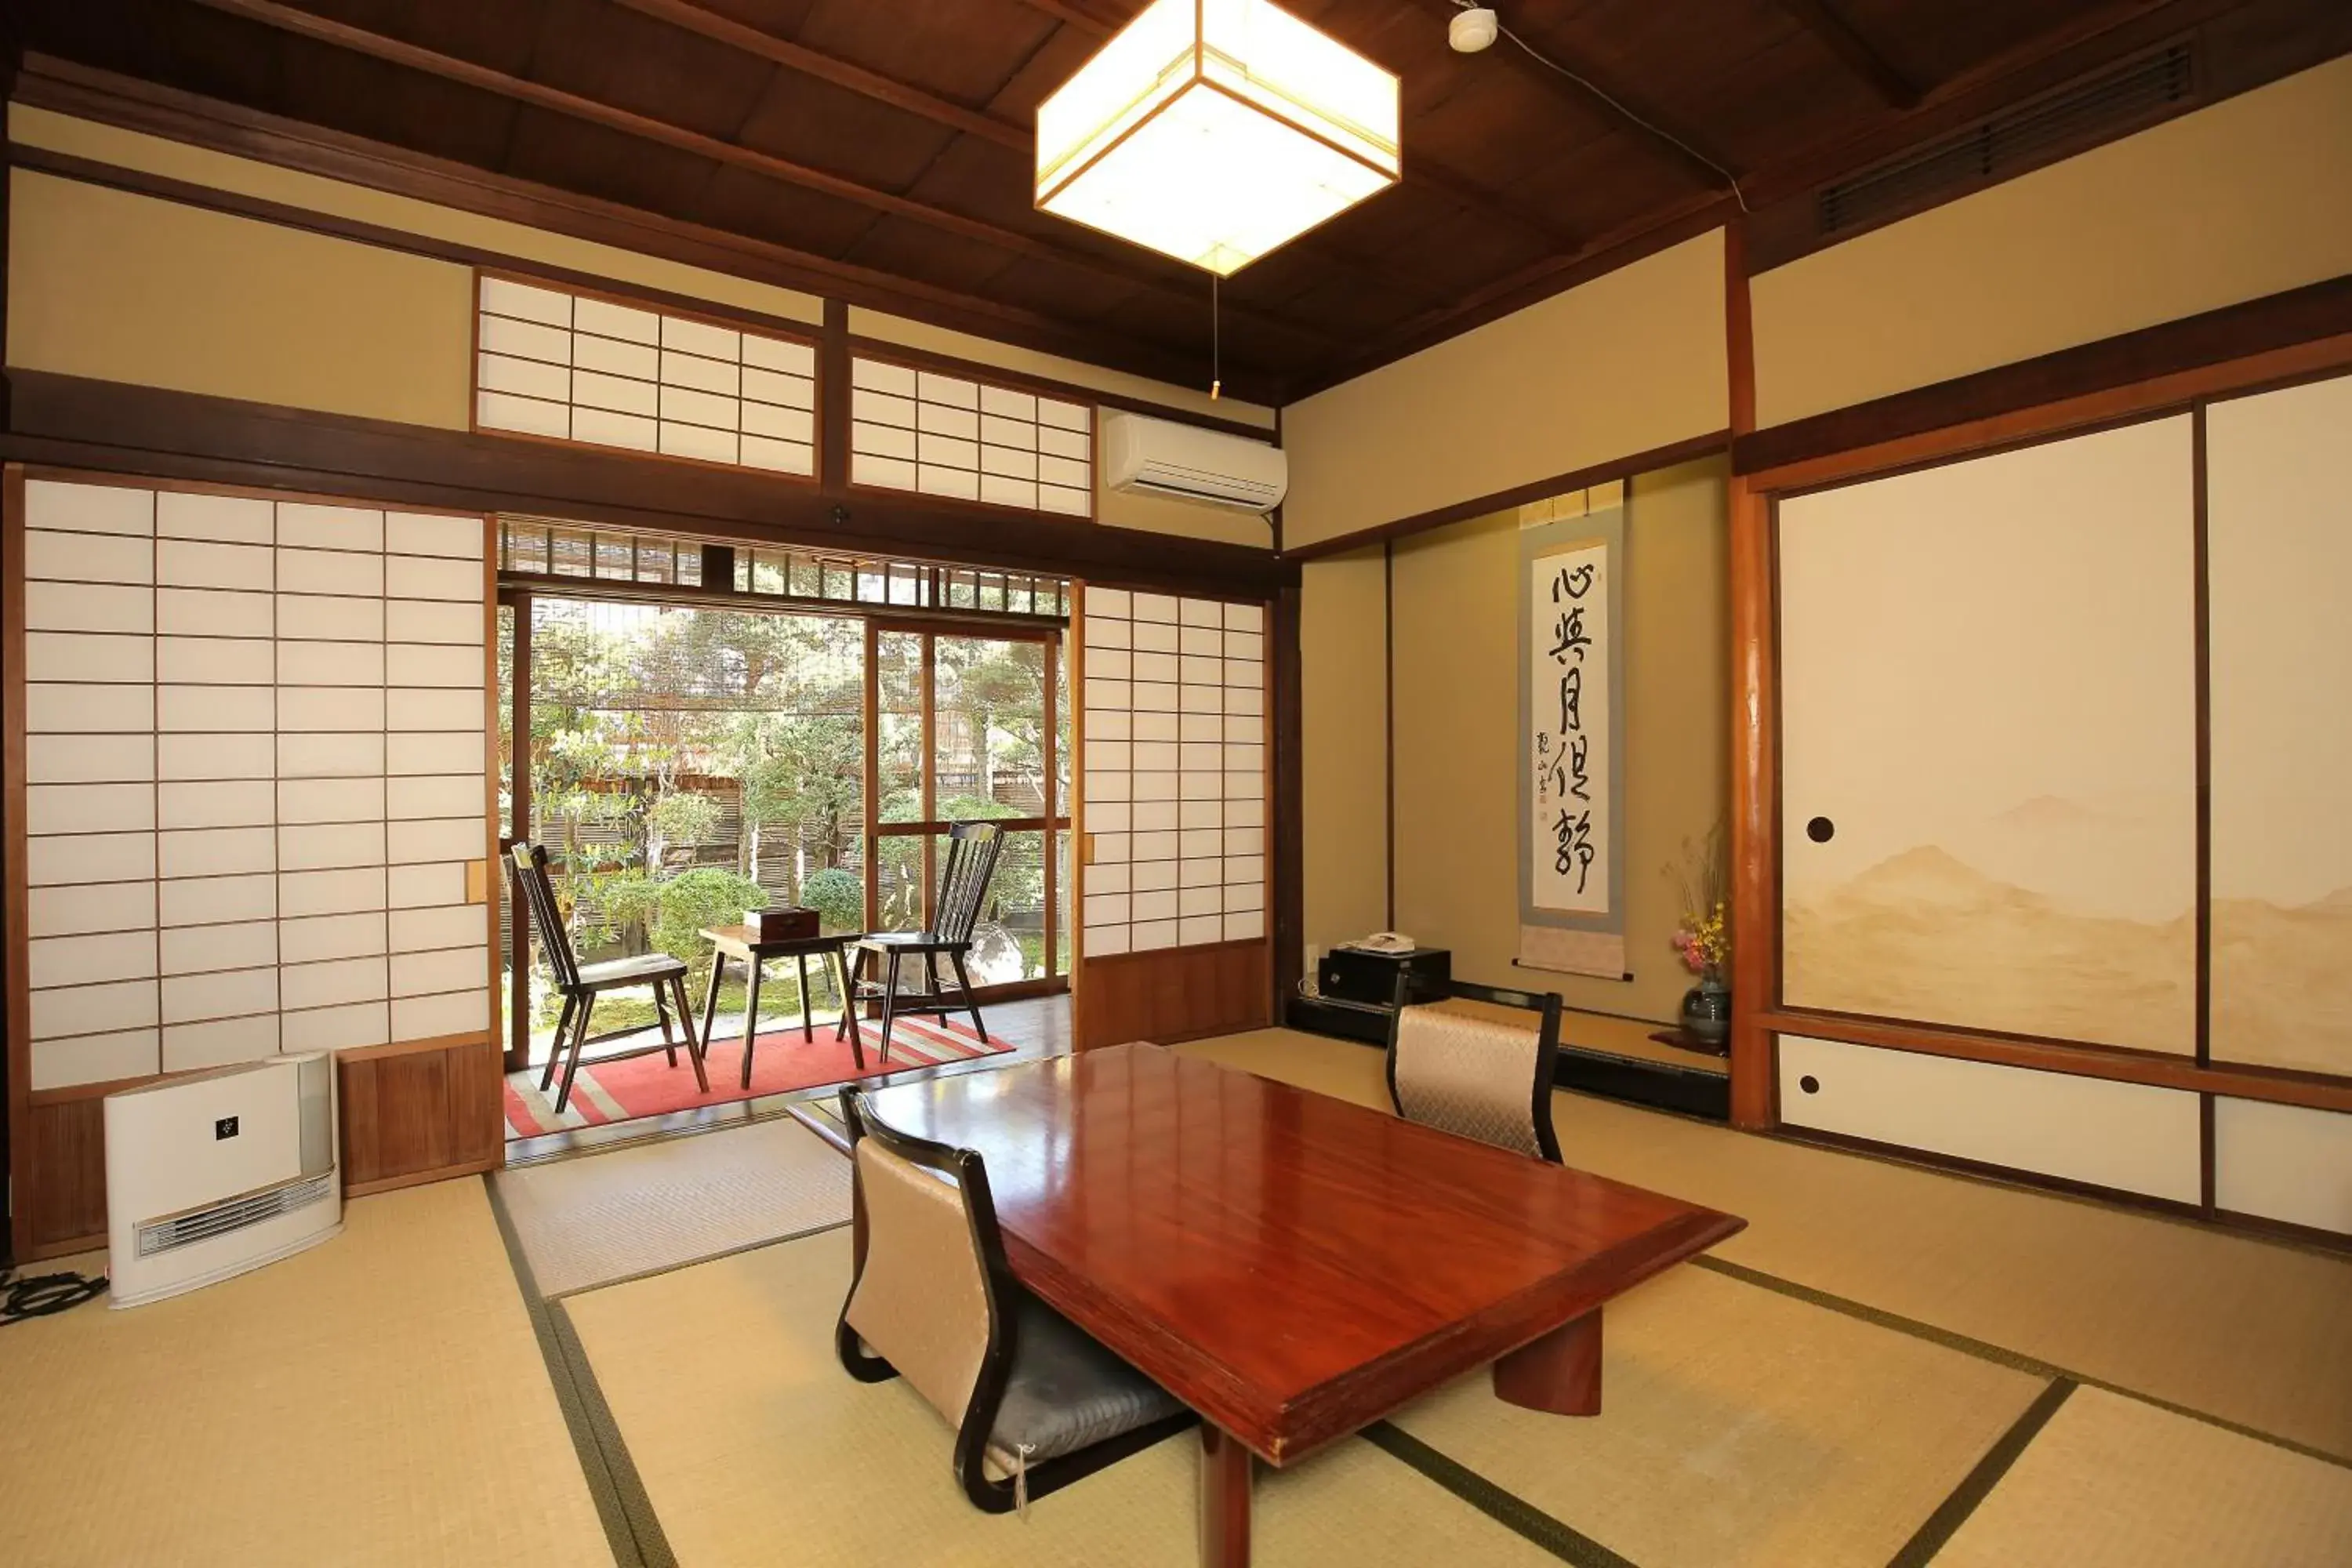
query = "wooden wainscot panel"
x=411 y=1114
x=63 y=1191
x=419 y=1112
x=1175 y=993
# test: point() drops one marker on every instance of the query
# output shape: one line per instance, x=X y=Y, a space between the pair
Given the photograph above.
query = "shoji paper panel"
x=1174 y=768
x=2279 y=552
x=437 y=968
x=1987 y=750
x=91 y=944
x=579 y=368
x=217 y=568
x=942 y=435
x=256 y=775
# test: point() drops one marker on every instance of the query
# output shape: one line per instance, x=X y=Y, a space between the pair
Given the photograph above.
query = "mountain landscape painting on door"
x=1988 y=677
x=2279 y=520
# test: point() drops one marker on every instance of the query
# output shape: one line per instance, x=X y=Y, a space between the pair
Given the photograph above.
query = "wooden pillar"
x=1755 y=767
x=1285 y=811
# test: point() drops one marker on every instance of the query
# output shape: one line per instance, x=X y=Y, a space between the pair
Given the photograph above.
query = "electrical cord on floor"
x=41 y=1295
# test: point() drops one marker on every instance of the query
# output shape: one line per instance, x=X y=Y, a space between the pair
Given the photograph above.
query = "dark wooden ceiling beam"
x=832 y=69
x=1077 y=17
x=1588 y=94
x=394 y=51
x=1855 y=52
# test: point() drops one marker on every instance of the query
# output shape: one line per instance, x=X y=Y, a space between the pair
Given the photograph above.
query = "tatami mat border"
x=1506 y=1508
x=696 y=1262
x=622 y=1506
x=1977 y=1484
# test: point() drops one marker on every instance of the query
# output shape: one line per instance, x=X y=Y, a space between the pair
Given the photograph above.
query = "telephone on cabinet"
x=1389 y=941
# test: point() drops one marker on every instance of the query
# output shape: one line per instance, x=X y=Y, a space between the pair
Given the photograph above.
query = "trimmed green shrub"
x=706 y=896
x=837 y=896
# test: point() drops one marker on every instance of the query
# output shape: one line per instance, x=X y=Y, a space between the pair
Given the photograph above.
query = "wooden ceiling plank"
x=828 y=67
x=1854 y=51
x=1422 y=175
x=1585 y=94
x=1077 y=17
x=393 y=51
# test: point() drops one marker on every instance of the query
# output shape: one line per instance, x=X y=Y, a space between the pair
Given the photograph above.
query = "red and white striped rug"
x=649 y=1086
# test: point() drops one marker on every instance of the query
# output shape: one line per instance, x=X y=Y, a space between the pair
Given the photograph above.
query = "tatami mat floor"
x=2241 y=1330
x=590 y=1220
x=770 y=1443
x=1891 y=1367
x=1738 y=1427
x=377 y=1400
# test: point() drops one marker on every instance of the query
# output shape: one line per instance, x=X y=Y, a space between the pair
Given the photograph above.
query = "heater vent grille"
x=2089 y=110
x=158 y=1236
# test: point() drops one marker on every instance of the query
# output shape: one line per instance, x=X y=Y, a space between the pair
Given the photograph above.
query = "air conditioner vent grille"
x=2134 y=93
x=234 y=1213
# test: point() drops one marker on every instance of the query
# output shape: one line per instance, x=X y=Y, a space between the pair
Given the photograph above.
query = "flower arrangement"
x=1705 y=943
x=1703 y=939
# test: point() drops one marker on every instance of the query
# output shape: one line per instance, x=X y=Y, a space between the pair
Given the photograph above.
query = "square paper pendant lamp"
x=1213 y=131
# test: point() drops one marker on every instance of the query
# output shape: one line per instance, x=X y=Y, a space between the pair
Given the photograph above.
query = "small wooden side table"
x=741 y=942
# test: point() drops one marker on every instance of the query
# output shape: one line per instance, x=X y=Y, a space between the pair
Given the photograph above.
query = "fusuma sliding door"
x=1988 y=778
x=2280 y=529
x=2279 y=532
x=2062 y=757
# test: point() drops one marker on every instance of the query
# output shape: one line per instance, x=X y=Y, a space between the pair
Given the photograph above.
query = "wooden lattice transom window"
x=574 y=367
x=947 y=435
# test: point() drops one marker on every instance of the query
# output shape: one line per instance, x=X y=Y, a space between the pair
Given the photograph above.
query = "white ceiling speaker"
x=1472 y=29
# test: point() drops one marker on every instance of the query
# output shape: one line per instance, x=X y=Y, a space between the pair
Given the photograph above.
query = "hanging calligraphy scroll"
x=1571 y=822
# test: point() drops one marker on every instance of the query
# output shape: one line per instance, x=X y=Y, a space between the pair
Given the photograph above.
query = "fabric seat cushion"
x=645 y=966
x=1066 y=1392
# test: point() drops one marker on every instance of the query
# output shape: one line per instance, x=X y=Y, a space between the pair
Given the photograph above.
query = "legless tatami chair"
x=1034 y=1402
x=583 y=984
x=1478 y=1077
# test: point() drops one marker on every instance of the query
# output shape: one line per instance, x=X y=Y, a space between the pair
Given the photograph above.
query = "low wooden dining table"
x=1291 y=1266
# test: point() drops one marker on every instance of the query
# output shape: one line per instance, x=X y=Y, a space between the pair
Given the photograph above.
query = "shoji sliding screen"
x=1173 y=814
x=254 y=816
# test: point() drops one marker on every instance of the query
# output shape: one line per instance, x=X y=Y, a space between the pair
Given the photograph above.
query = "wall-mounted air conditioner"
x=216 y=1172
x=1158 y=457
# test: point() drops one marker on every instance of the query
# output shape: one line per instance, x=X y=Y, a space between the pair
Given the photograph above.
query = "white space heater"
x=216 y=1172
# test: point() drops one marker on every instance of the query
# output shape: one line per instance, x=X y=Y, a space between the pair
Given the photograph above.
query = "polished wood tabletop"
x=1291 y=1266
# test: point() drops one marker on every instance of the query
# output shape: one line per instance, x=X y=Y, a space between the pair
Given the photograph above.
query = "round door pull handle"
x=1821 y=830
x=1810 y=1084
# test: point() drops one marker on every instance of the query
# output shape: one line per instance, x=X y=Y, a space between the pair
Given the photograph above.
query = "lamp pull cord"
x=1217 y=344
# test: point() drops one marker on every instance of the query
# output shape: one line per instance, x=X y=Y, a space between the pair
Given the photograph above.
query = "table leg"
x=750 y=1016
x=1225 y=1469
x=806 y=1032
x=1560 y=1373
x=710 y=997
x=848 y=1010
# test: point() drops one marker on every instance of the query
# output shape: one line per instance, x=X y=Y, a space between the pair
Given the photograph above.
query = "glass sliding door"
x=973 y=727
x=679 y=765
